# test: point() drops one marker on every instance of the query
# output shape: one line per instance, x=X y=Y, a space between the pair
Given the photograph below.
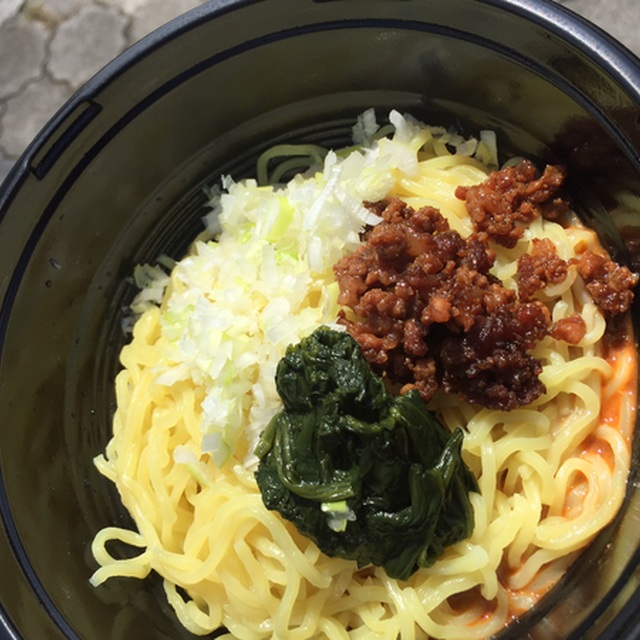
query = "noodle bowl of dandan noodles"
x=438 y=201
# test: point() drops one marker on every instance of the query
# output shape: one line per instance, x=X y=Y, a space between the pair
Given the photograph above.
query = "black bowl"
x=117 y=178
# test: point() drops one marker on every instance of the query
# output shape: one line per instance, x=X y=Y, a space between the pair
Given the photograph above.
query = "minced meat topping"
x=609 y=283
x=539 y=268
x=427 y=311
x=512 y=197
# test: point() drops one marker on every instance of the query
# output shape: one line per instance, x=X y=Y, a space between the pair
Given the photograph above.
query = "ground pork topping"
x=430 y=312
x=570 y=329
x=501 y=205
x=540 y=267
x=610 y=284
x=490 y=365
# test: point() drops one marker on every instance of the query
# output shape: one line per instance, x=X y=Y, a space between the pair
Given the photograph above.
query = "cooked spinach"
x=367 y=475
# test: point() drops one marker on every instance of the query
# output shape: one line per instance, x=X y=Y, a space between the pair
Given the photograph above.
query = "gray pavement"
x=49 y=48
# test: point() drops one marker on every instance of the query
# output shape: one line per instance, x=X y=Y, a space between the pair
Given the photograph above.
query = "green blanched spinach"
x=368 y=476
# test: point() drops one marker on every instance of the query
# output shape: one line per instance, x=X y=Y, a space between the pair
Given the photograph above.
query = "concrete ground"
x=48 y=48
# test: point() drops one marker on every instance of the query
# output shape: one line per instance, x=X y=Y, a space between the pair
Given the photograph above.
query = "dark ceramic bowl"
x=117 y=178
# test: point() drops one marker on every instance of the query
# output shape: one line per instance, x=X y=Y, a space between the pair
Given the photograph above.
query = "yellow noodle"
x=544 y=491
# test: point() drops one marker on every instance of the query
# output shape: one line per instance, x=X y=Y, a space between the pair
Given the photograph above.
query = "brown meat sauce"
x=512 y=197
x=427 y=312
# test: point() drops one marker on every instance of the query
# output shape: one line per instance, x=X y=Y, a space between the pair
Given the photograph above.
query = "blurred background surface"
x=49 y=48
